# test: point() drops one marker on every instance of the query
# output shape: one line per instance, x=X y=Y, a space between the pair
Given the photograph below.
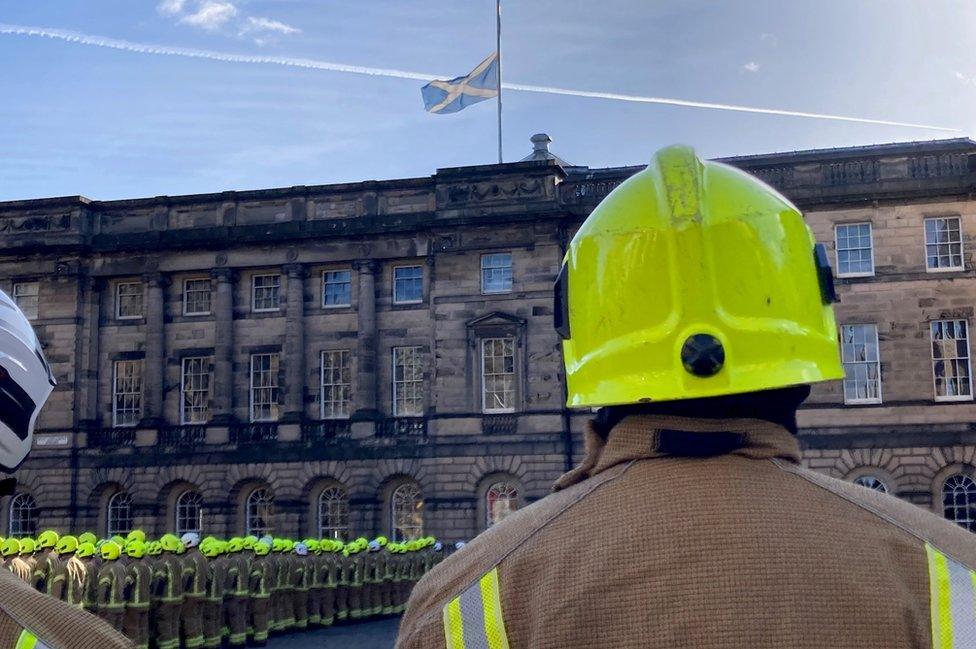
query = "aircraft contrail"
x=167 y=50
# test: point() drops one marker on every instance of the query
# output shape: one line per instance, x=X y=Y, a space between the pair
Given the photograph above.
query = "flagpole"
x=498 y=53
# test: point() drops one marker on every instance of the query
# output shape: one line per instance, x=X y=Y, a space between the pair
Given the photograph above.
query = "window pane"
x=408 y=285
x=336 y=384
x=23 y=516
x=333 y=513
x=195 y=395
x=260 y=513
x=264 y=387
x=337 y=288
x=265 y=292
x=25 y=295
x=119 y=515
x=959 y=500
x=854 y=249
x=189 y=513
x=871 y=482
x=862 y=363
x=498 y=374
x=950 y=359
x=943 y=242
x=128 y=300
x=408 y=385
x=407 y=513
x=496 y=273
x=500 y=501
x=196 y=297
x=127 y=393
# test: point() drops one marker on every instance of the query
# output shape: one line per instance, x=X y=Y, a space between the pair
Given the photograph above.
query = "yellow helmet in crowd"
x=111 y=551
x=87 y=537
x=135 y=549
x=66 y=544
x=693 y=279
x=10 y=547
x=47 y=539
x=85 y=549
x=170 y=543
x=27 y=546
x=154 y=548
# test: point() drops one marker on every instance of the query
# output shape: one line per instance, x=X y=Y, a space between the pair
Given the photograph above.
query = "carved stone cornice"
x=225 y=275
x=366 y=266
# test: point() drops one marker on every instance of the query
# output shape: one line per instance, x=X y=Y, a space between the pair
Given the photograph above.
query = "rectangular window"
x=408 y=284
x=195 y=390
x=498 y=374
x=25 y=295
x=496 y=273
x=266 y=292
x=336 y=384
x=862 y=364
x=408 y=382
x=264 y=387
x=196 y=297
x=943 y=243
x=128 y=300
x=127 y=393
x=855 y=250
x=336 y=288
x=950 y=360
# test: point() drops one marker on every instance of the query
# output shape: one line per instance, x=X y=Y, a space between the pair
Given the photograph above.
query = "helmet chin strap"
x=7 y=486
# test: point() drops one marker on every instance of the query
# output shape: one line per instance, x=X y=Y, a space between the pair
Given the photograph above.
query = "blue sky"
x=109 y=123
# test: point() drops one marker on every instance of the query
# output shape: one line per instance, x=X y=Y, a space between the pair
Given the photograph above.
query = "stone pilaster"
x=154 y=370
x=365 y=388
x=294 y=343
x=222 y=401
x=88 y=413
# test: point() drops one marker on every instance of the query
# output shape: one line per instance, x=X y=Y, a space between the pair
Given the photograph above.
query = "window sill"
x=960 y=399
x=952 y=269
x=863 y=402
x=854 y=275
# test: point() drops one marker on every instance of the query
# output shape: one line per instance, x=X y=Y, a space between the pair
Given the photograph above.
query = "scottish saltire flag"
x=453 y=95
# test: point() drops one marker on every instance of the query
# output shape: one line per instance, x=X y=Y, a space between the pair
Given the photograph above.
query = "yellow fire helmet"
x=210 y=550
x=261 y=548
x=110 y=550
x=47 y=539
x=170 y=543
x=135 y=548
x=154 y=548
x=85 y=549
x=10 y=547
x=87 y=537
x=136 y=535
x=27 y=546
x=693 y=279
x=66 y=544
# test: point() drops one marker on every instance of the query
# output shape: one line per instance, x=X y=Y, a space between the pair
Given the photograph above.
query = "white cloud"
x=259 y=24
x=170 y=7
x=771 y=39
x=963 y=78
x=210 y=14
x=751 y=66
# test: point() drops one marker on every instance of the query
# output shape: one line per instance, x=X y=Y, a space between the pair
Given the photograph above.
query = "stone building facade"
x=379 y=357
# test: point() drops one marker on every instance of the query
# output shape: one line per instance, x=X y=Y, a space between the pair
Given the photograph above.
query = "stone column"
x=91 y=324
x=222 y=405
x=365 y=387
x=294 y=344
x=154 y=369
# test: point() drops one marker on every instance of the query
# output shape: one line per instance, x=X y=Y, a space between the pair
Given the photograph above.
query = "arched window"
x=118 y=519
x=23 y=516
x=501 y=499
x=959 y=500
x=189 y=512
x=872 y=482
x=406 y=512
x=333 y=513
x=260 y=512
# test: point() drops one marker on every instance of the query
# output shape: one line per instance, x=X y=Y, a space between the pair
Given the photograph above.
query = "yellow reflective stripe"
x=453 y=626
x=952 y=601
x=494 y=622
x=474 y=620
x=27 y=640
x=940 y=599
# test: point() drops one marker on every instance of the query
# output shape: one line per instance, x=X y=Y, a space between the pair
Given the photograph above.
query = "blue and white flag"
x=453 y=95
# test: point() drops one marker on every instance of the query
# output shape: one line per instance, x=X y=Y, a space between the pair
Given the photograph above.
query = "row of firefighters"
x=205 y=593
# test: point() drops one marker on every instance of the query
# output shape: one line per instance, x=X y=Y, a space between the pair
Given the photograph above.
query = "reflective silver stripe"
x=473 y=614
x=962 y=605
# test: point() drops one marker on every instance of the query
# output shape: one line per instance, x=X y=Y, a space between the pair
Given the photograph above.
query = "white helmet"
x=190 y=540
x=25 y=383
x=301 y=549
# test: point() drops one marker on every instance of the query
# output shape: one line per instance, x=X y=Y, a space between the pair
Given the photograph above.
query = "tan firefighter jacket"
x=639 y=548
x=30 y=618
